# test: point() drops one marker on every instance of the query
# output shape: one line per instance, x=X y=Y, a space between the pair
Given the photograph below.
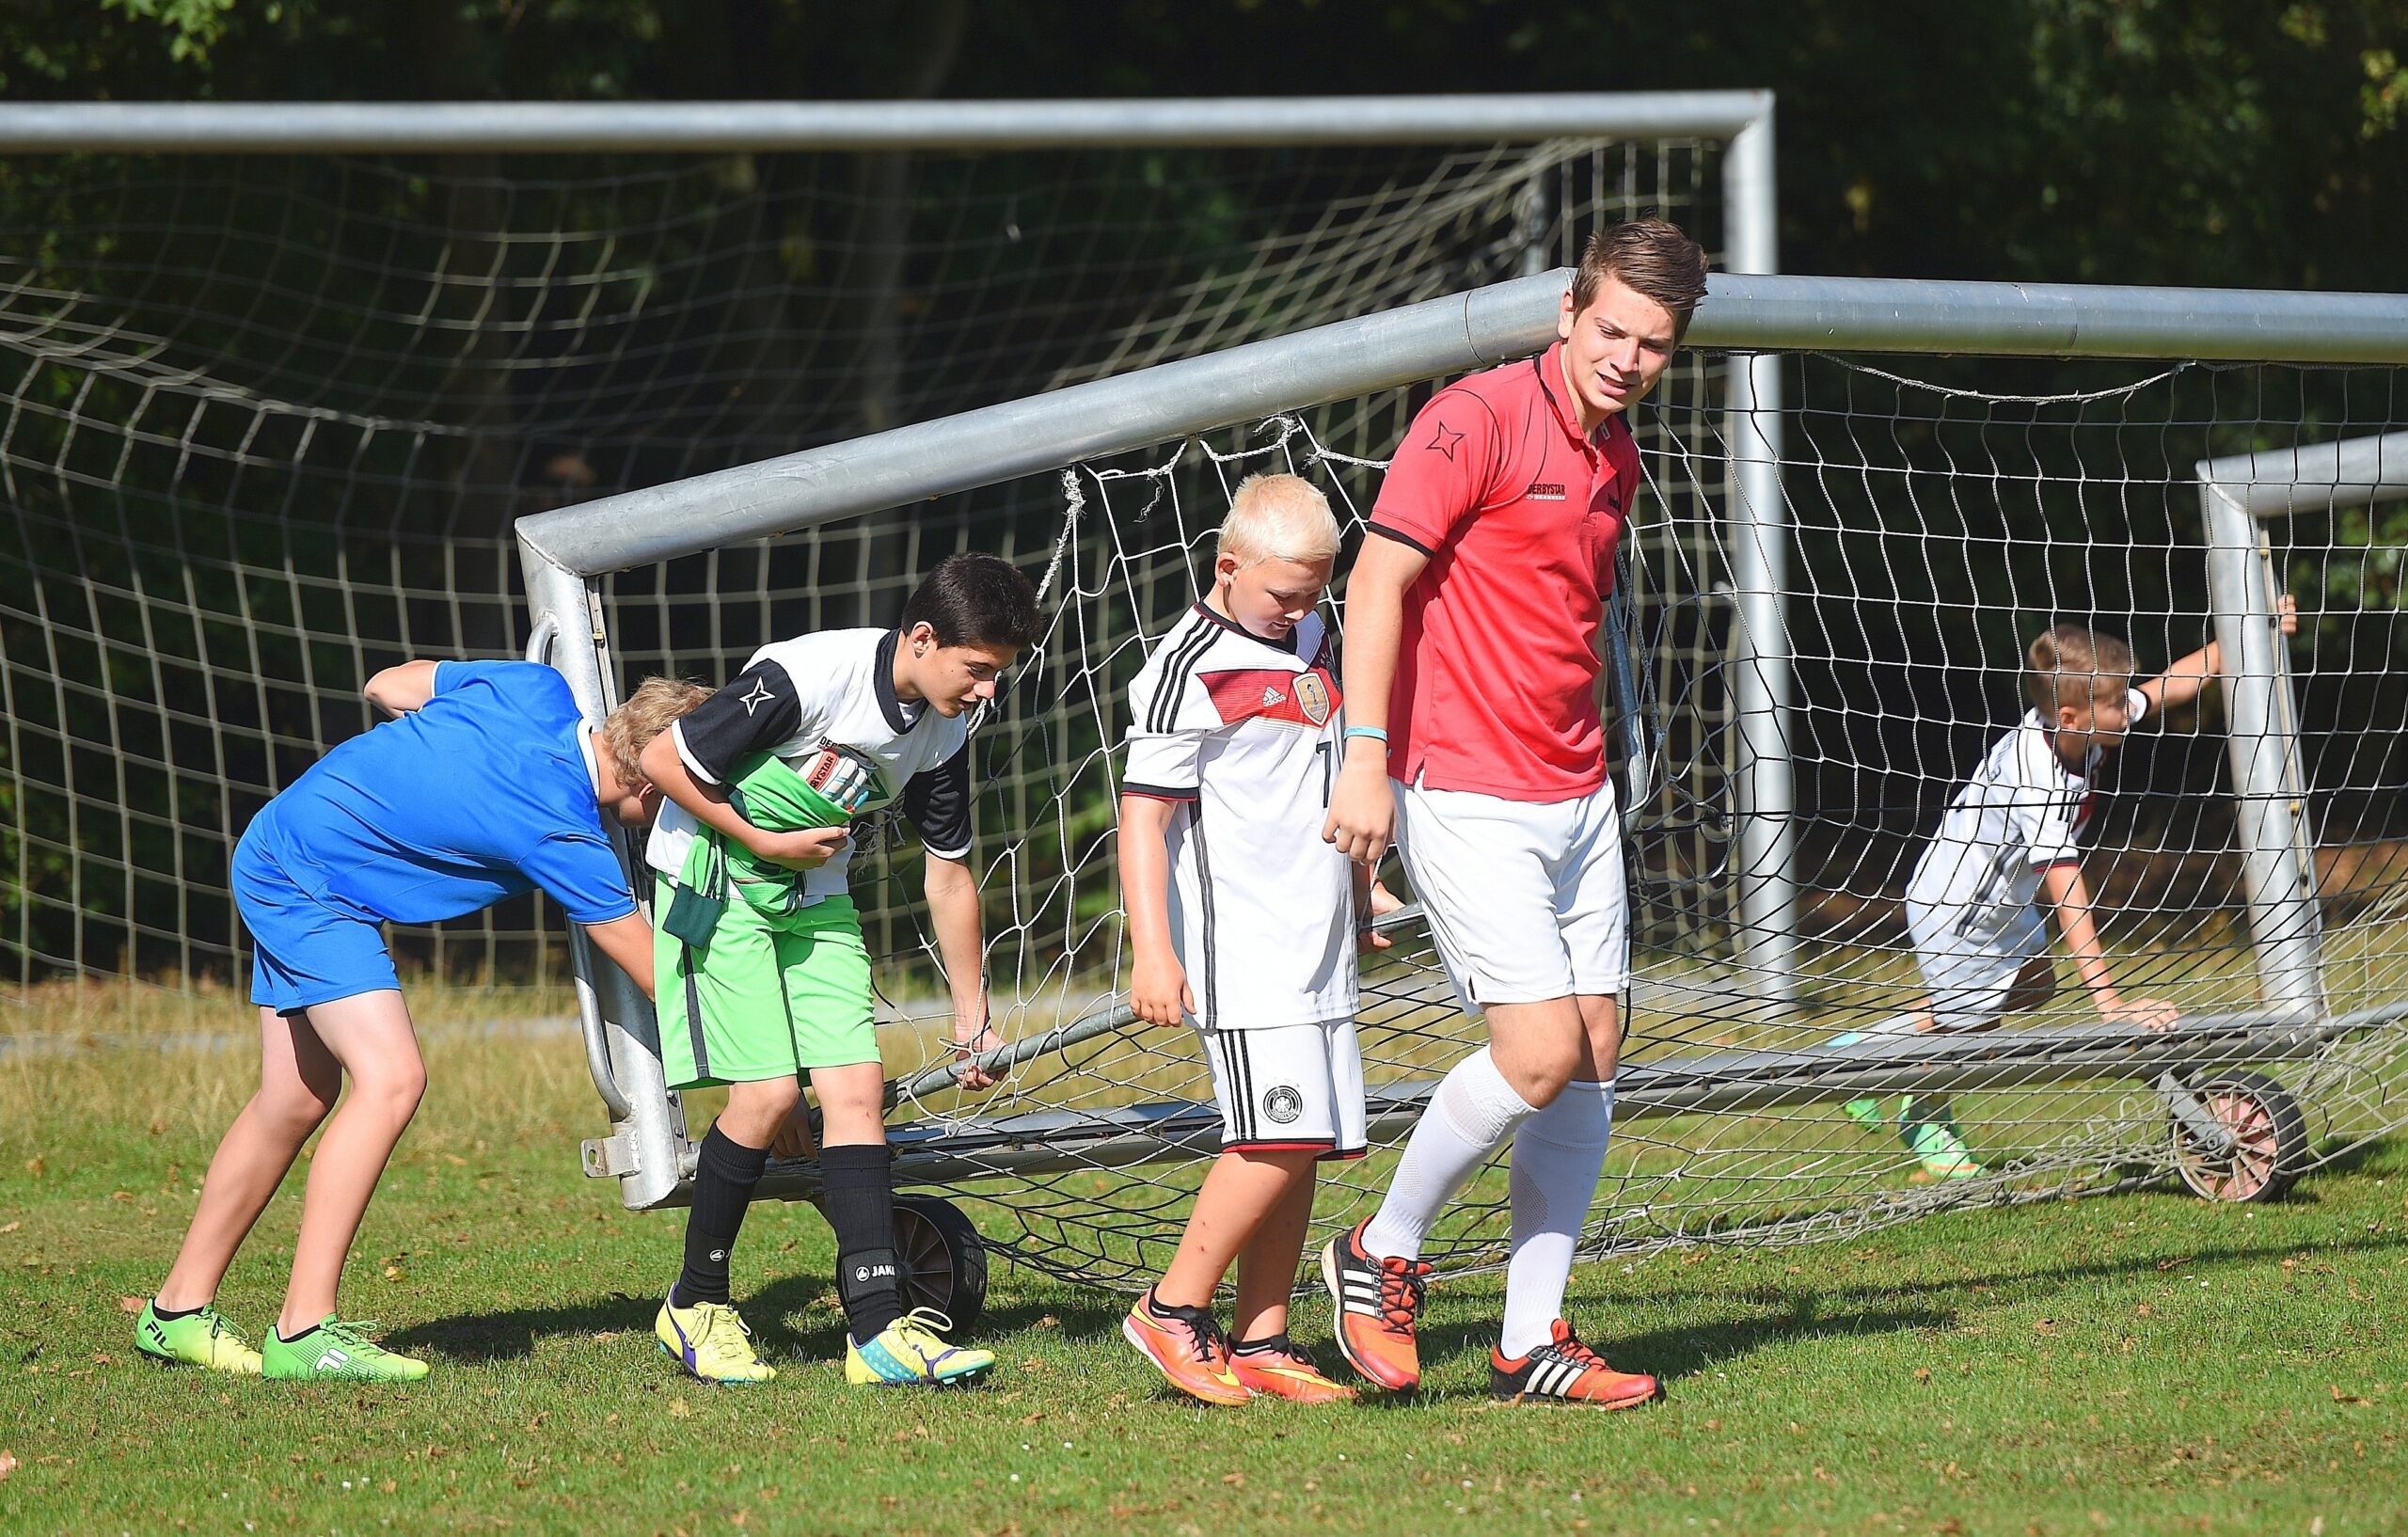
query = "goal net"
x=1942 y=516
x=268 y=421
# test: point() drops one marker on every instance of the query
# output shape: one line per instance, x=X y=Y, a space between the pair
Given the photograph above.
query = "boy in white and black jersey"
x=1244 y=923
x=2009 y=840
x=764 y=975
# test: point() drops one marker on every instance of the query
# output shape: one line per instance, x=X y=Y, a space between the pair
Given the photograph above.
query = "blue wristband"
x=1374 y=733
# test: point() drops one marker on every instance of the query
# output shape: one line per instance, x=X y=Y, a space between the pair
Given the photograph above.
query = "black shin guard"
x=857 y=1185
x=724 y=1176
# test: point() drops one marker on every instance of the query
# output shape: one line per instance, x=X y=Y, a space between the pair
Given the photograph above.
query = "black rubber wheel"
x=2271 y=1148
x=942 y=1259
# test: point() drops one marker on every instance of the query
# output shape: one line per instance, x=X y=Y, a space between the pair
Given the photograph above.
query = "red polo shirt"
x=1519 y=513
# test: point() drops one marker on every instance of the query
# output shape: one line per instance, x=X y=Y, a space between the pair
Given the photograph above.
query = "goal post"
x=1755 y=318
x=2237 y=495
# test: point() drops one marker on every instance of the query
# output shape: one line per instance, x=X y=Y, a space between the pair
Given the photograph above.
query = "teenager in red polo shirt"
x=1472 y=621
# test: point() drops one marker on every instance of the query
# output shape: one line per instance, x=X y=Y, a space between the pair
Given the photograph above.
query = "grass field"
x=2138 y=1363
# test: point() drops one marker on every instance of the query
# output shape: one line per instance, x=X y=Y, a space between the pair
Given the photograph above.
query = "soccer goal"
x=277 y=379
x=1844 y=583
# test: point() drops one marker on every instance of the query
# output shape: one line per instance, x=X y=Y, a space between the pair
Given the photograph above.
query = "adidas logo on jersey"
x=1271 y=696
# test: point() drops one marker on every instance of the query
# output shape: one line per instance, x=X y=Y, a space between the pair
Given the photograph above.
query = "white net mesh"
x=1937 y=530
x=268 y=421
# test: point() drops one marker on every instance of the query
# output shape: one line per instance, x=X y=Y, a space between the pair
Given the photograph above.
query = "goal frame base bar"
x=951 y=1153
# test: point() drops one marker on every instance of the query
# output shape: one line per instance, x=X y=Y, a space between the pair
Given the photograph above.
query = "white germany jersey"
x=1243 y=733
x=2021 y=812
x=835 y=688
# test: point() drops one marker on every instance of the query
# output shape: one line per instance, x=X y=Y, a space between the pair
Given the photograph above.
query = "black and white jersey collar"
x=902 y=717
x=1214 y=616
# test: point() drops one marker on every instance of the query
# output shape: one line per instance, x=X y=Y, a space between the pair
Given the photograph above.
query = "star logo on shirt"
x=1444 y=440
x=758 y=697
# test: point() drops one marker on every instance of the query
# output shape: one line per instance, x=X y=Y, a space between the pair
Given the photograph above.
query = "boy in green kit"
x=763 y=976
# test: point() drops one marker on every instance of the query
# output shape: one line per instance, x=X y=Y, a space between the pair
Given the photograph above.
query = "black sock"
x=857 y=1193
x=724 y=1176
x=1160 y=1309
x=165 y=1314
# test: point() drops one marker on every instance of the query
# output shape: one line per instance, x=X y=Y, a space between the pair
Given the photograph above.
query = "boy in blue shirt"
x=487 y=784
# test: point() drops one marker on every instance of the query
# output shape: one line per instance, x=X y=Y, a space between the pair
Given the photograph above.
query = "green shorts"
x=767 y=998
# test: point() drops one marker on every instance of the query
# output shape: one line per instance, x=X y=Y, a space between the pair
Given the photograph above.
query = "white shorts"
x=1969 y=975
x=1524 y=899
x=1288 y=1087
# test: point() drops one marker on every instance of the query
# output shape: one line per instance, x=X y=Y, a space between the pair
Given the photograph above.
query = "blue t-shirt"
x=482 y=793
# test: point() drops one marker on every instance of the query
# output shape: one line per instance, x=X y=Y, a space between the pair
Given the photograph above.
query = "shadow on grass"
x=2159 y=1257
x=1670 y=1354
x=796 y=1316
x=793 y=1315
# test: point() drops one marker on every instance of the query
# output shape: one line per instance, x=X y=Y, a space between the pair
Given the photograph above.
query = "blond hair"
x=1278 y=518
x=2069 y=664
x=627 y=731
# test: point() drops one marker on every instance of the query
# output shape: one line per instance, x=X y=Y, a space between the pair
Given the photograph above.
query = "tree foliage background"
x=2198 y=142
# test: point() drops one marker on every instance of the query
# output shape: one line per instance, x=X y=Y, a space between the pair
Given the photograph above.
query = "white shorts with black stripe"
x=1970 y=967
x=1288 y=1087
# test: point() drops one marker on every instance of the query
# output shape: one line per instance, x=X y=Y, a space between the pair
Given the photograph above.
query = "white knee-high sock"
x=1471 y=1113
x=1558 y=1155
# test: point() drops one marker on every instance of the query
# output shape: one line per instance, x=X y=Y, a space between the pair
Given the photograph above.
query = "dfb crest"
x=1312 y=697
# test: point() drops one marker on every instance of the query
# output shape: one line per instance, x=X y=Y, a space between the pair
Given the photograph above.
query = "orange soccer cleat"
x=1377 y=1298
x=1275 y=1367
x=1186 y=1347
x=1564 y=1371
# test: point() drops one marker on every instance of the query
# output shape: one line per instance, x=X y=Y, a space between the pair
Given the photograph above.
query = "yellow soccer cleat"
x=712 y=1343
x=911 y=1352
x=202 y=1339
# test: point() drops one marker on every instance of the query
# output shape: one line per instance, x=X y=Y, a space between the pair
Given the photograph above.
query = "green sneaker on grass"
x=335 y=1351
x=1944 y=1152
x=202 y=1339
x=1867 y=1114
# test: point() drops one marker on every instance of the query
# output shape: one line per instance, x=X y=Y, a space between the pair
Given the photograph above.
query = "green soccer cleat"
x=204 y=1338
x=335 y=1351
x=1867 y=1114
x=1944 y=1152
x=712 y=1343
x=908 y=1353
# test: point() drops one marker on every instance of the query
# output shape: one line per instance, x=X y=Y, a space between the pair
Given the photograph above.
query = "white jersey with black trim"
x=1244 y=735
x=2020 y=812
x=834 y=689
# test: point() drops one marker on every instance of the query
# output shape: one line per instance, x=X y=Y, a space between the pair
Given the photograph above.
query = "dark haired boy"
x=763 y=976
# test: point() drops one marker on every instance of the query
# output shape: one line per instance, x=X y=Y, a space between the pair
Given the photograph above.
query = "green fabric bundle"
x=774 y=797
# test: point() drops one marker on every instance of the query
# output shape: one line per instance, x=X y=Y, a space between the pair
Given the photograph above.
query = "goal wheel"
x=942 y=1259
x=2269 y=1133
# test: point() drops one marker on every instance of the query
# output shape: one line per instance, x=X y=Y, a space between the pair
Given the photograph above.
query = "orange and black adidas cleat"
x=1564 y=1371
x=1185 y=1345
x=1377 y=1298
x=1275 y=1367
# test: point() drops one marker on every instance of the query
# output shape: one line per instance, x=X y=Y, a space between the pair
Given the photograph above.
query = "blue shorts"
x=304 y=950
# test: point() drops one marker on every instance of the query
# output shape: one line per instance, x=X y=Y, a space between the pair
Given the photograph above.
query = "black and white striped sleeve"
x=758 y=709
x=1163 y=740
